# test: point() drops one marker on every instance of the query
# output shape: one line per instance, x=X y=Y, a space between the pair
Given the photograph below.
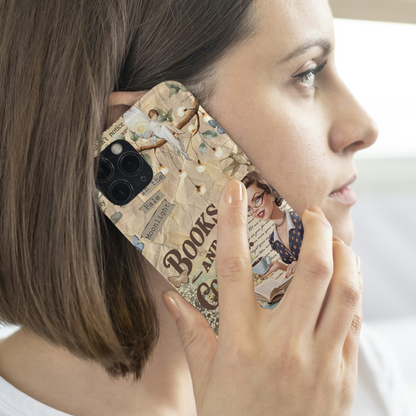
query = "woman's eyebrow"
x=300 y=50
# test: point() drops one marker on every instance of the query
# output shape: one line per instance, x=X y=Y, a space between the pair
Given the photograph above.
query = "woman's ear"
x=119 y=102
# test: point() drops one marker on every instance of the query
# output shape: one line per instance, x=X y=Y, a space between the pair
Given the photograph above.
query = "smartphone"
x=162 y=168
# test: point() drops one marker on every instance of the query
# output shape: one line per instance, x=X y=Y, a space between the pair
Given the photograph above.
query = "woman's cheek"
x=296 y=171
x=306 y=175
x=287 y=146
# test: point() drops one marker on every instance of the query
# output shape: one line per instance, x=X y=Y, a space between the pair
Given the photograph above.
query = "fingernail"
x=171 y=306
x=359 y=265
x=335 y=238
x=234 y=192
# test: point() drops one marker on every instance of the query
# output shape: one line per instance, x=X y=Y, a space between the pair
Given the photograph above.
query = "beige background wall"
x=403 y=11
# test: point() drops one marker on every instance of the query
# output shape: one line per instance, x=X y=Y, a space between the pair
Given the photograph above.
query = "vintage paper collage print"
x=172 y=222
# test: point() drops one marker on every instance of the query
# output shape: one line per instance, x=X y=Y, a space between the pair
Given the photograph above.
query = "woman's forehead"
x=283 y=26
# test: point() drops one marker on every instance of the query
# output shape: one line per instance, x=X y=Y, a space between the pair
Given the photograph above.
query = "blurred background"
x=376 y=57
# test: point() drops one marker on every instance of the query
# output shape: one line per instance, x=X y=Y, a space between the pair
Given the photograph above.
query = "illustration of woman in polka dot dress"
x=264 y=203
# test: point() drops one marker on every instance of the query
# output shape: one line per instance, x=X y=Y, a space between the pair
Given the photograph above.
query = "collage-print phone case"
x=186 y=159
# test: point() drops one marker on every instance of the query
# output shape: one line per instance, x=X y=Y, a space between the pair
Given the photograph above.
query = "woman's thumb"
x=198 y=338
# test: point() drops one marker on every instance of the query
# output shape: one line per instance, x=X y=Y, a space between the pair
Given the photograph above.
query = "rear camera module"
x=130 y=163
x=122 y=173
x=122 y=192
x=105 y=170
x=116 y=148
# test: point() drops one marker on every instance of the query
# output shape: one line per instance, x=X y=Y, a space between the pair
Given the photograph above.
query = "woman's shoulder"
x=294 y=216
x=14 y=402
x=381 y=389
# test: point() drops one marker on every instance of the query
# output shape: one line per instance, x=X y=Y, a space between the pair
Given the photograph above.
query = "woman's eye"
x=308 y=79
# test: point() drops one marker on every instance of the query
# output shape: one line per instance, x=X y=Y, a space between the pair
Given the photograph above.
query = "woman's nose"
x=352 y=129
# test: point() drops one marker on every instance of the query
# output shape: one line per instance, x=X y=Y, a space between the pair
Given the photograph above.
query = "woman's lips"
x=344 y=196
x=261 y=214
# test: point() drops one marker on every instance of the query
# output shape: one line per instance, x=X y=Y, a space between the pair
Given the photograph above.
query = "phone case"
x=172 y=221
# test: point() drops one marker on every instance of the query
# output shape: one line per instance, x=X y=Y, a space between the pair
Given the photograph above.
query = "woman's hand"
x=299 y=358
x=275 y=265
x=291 y=268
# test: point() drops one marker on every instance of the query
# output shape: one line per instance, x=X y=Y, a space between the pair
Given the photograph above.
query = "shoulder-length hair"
x=66 y=273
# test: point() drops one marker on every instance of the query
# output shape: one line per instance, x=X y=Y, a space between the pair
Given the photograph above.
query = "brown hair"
x=256 y=178
x=152 y=113
x=66 y=273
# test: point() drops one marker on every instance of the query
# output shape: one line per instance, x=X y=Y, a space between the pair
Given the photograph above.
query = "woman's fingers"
x=226 y=371
x=302 y=303
x=343 y=298
x=291 y=268
x=233 y=263
x=198 y=338
x=125 y=97
x=350 y=350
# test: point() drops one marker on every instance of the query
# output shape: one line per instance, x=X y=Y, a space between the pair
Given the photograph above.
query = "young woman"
x=95 y=338
x=264 y=203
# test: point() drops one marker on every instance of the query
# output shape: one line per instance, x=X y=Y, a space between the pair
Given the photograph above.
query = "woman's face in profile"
x=280 y=98
x=260 y=203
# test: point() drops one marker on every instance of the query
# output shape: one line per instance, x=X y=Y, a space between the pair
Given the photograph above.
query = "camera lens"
x=121 y=192
x=105 y=170
x=130 y=163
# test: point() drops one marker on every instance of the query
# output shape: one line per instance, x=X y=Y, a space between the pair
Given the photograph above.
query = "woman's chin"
x=344 y=230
